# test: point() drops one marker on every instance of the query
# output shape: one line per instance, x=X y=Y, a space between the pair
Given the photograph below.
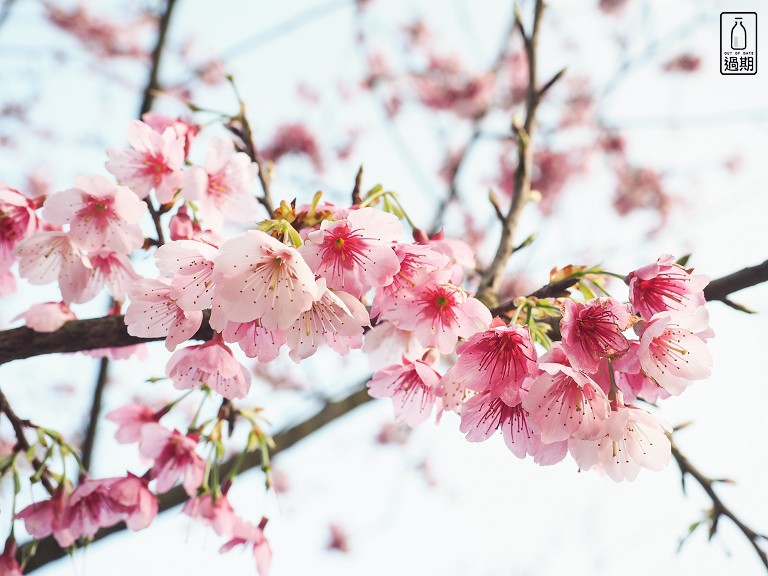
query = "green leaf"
x=683 y=260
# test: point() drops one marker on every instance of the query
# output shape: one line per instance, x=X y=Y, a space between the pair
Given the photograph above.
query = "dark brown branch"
x=48 y=550
x=721 y=288
x=153 y=82
x=93 y=418
x=719 y=509
x=22 y=445
x=76 y=336
x=242 y=129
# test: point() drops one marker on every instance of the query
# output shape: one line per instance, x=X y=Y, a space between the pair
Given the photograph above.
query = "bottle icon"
x=738 y=36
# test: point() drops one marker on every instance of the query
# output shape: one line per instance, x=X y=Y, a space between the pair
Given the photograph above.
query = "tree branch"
x=721 y=288
x=48 y=550
x=718 y=507
x=93 y=417
x=494 y=274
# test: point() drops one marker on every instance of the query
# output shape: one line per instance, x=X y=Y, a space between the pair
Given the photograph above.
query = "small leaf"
x=683 y=260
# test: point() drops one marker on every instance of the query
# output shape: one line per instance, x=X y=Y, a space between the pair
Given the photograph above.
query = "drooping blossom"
x=109 y=270
x=47 y=316
x=255 y=340
x=44 y=518
x=8 y=564
x=217 y=513
x=154 y=162
x=629 y=377
x=355 y=253
x=140 y=505
x=50 y=256
x=634 y=439
x=672 y=351
x=564 y=403
x=175 y=455
x=223 y=188
x=499 y=358
x=211 y=364
x=100 y=215
x=153 y=313
x=181 y=226
x=130 y=419
x=246 y=534
x=260 y=277
x=664 y=285
x=385 y=344
x=487 y=412
x=416 y=261
x=593 y=330
x=439 y=313
x=336 y=318
x=412 y=387
x=190 y=266
x=17 y=221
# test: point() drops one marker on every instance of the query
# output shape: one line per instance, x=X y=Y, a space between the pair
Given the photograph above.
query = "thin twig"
x=93 y=418
x=718 y=507
x=22 y=445
x=494 y=274
x=48 y=550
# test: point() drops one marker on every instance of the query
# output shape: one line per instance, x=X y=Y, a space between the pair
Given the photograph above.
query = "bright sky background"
x=439 y=505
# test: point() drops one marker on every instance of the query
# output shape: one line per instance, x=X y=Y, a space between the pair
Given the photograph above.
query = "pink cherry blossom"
x=439 y=313
x=336 y=318
x=460 y=255
x=671 y=349
x=181 y=225
x=356 y=253
x=152 y=313
x=412 y=388
x=88 y=508
x=47 y=317
x=130 y=419
x=593 y=330
x=259 y=277
x=154 y=162
x=485 y=413
x=44 y=518
x=50 y=256
x=416 y=261
x=183 y=128
x=139 y=504
x=174 y=455
x=385 y=344
x=629 y=378
x=211 y=364
x=8 y=564
x=100 y=215
x=498 y=358
x=565 y=403
x=190 y=265
x=246 y=534
x=224 y=188
x=217 y=513
x=109 y=270
x=634 y=439
x=255 y=340
x=663 y=286
x=17 y=221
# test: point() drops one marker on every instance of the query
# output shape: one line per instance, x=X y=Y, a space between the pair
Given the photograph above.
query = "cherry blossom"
x=259 y=277
x=565 y=403
x=336 y=318
x=140 y=505
x=154 y=162
x=17 y=221
x=44 y=518
x=190 y=265
x=356 y=253
x=255 y=340
x=412 y=387
x=46 y=317
x=50 y=256
x=634 y=439
x=130 y=419
x=110 y=270
x=439 y=313
x=385 y=344
x=100 y=215
x=174 y=456
x=8 y=564
x=223 y=188
x=153 y=313
x=672 y=351
x=665 y=285
x=593 y=330
x=211 y=364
